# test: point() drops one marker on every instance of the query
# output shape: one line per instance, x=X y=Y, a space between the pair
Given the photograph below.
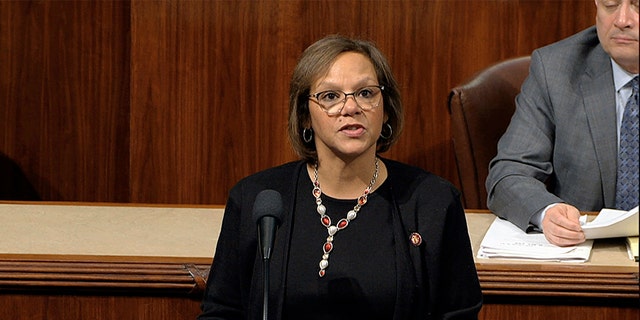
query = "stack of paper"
x=506 y=241
x=632 y=248
x=611 y=223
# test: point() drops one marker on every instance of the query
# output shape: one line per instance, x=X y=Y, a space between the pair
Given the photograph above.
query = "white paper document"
x=504 y=240
x=611 y=223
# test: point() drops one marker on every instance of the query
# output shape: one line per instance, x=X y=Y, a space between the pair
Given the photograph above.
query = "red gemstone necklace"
x=342 y=223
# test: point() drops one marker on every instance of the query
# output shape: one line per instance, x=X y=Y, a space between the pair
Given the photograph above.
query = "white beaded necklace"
x=342 y=223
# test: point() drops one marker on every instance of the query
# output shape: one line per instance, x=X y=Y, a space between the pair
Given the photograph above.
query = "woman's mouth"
x=352 y=130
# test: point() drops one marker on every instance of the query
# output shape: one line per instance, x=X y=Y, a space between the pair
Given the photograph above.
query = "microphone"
x=267 y=212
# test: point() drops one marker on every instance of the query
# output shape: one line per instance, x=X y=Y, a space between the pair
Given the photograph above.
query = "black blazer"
x=437 y=279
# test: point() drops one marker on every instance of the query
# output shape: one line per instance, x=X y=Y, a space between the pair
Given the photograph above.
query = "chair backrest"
x=481 y=110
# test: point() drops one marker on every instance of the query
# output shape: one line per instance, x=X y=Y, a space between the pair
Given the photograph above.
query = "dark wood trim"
x=106 y=277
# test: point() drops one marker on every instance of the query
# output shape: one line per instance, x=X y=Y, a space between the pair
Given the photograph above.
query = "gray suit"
x=562 y=136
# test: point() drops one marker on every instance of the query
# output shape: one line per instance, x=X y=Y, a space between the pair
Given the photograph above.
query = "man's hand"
x=561 y=225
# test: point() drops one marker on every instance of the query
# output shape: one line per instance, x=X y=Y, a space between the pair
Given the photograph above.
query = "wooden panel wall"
x=174 y=101
x=64 y=96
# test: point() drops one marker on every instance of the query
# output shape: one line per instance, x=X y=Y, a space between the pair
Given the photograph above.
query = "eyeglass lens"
x=332 y=101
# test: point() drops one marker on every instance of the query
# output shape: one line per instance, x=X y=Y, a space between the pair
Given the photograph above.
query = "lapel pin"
x=416 y=239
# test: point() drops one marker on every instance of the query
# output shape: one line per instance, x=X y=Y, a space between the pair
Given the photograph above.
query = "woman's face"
x=352 y=132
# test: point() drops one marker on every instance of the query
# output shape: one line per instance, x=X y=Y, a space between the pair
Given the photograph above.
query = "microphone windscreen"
x=268 y=203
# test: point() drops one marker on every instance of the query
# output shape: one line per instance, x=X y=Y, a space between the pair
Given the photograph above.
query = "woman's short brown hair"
x=316 y=61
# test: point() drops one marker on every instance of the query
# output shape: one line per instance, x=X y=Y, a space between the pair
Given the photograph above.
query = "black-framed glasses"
x=332 y=101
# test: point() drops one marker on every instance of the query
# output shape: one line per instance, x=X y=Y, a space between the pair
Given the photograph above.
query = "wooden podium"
x=103 y=261
x=116 y=261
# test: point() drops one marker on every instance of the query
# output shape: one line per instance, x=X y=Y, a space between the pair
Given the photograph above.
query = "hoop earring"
x=388 y=136
x=307 y=135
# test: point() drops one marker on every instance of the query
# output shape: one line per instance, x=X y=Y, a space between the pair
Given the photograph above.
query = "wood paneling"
x=546 y=310
x=175 y=101
x=103 y=275
x=64 y=96
x=208 y=97
x=76 y=306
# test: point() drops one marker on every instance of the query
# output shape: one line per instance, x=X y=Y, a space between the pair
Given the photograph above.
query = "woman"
x=361 y=237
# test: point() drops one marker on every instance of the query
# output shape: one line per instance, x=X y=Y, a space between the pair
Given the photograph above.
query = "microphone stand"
x=265 y=294
x=265 y=240
x=267 y=211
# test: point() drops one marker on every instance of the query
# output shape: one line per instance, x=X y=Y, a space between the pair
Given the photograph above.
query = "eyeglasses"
x=332 y=101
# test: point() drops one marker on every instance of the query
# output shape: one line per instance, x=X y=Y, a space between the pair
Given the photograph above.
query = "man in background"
x=570 y=144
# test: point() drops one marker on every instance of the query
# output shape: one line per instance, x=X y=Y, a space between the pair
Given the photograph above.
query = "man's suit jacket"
x=562 y=136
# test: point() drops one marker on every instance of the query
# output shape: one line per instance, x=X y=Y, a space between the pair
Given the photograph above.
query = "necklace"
x=342 y=223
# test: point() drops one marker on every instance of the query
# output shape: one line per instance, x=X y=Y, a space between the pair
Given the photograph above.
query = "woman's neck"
x=347 y=179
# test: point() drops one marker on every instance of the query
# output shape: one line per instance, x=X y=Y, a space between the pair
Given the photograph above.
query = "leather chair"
x=481 y=110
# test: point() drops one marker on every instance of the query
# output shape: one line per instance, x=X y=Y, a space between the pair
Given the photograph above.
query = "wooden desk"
x=605 y=287
x=106 y=261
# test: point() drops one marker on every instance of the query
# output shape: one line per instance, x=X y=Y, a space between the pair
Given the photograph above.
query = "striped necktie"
x=627 y=182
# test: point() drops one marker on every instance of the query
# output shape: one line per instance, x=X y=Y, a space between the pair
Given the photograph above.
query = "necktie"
x=627 y=182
